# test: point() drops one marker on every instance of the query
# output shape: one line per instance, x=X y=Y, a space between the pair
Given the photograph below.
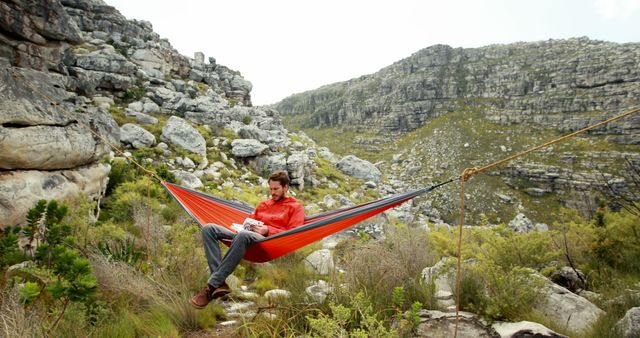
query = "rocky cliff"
x=563 y=84
x=62 y=64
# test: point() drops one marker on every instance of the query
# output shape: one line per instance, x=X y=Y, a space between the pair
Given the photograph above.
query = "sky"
x=285 y=47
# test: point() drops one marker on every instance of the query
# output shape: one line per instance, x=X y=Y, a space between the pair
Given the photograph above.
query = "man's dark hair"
x=280 y=176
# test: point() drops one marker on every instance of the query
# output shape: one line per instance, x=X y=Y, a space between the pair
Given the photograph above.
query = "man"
x=279 y=213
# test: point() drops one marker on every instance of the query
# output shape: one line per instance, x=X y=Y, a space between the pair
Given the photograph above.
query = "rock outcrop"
x=562 y=84
x=62 y=64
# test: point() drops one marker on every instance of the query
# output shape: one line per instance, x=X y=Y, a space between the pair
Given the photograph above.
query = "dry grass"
x=15 y=319
x=157 y=292
x=377 y=267
x=149 y=223
x=121 y=281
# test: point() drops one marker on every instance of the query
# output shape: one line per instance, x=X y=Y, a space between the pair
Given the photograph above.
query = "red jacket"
x=280 y=215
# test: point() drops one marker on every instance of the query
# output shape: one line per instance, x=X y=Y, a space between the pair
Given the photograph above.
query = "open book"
x=246 y=225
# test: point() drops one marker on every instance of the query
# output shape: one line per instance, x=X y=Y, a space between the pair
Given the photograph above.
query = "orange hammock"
x=207 y=209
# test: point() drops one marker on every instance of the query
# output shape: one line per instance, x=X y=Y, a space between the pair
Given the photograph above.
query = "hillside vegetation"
x=447 y=145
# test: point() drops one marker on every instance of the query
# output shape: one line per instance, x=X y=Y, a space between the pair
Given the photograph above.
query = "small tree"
x=64 y=275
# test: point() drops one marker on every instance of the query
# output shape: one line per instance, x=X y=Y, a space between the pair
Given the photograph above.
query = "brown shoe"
x=203 y=298
x=221 y=291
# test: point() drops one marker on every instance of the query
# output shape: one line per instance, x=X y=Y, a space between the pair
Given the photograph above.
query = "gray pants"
x=220 y=267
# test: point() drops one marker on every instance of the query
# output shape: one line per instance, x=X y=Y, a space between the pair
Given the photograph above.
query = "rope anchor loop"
x=468 y=172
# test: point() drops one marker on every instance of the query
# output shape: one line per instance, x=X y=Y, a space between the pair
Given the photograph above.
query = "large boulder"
x=443 y=324
x=20 y=190
x=179 y=132
x=299 y=166
x=253 y=132
x=271 y=163
x=106 y=60
x=567 y=277
x=521 y=223
x=318 y=291
x=629 y=325
x=565 y=307
x=37 y=134
x=359 y=168
x=524 y=329
x=188 y=179
x=136 y=136
x=248 y=148
x=436 y=324
x=26 y=20
x=151 y=62
x=320 y=261
x=142 y=118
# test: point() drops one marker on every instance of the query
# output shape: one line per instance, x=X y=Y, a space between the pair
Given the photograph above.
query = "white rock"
x=629 y=325
x=320 y=261
x=275 y=294
x=188 y=179
x=318 y=291
x=524 y=329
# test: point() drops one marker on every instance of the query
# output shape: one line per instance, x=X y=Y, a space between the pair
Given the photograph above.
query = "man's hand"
x=261 y=229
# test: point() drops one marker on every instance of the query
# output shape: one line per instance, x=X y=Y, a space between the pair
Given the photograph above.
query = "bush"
x=121 y=250
x=358 y=320
x=128 y=195
x=121 y=172
x=164 y=173
x=377 y=268
x=134 y=94
x=10 y=252
x=605 y=248
x=498 y=294
x=64 y=275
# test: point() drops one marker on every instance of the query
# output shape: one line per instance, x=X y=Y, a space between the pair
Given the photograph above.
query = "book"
x=246 y=225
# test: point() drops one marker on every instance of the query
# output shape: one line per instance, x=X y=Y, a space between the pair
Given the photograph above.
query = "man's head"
x=278 y=184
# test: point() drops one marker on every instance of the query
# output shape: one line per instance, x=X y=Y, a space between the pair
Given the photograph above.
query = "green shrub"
x=164 y=173
x=615 y=309
x=134 y=94
x=358 y=320
x=121 y=172
x=500 y=294
x=10 y=252
x=106 y=231
x=121 y=326
x=121 y=250
x=604 y=248
x=617 y=242
x=81 y=218
x=65 y=276
x=130 y=195
x=182 y=259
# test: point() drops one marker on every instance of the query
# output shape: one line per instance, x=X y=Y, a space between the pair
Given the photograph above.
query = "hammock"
x=207 y=209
